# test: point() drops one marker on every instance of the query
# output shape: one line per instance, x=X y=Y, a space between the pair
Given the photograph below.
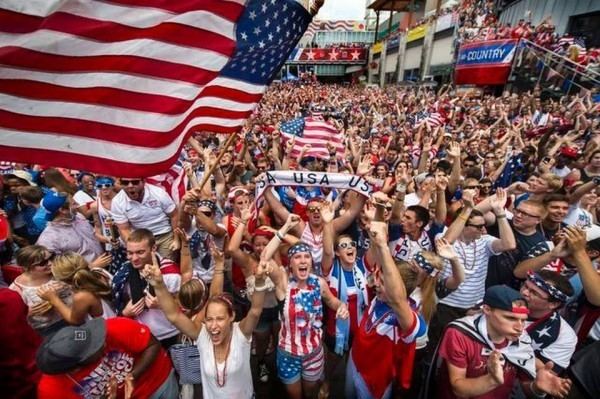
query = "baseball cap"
x=71 y=347
x=505 y=298
x=52 y=202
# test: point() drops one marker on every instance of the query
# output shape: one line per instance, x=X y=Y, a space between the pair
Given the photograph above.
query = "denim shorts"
x=291 y=368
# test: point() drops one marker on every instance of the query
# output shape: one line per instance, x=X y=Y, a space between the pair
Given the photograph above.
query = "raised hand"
x=468 y=197
x=576 y=239
x=183 y=237
x=326 y=211
x=454 y=150
x=152 y=273
x=445 y=249
x=378 y=232
x=364 y=166
x=292 y=221
x=498 y=202
x=246 y=214
x=217 y=255
x=262 y=270
x=401 y=175
x=441 y=183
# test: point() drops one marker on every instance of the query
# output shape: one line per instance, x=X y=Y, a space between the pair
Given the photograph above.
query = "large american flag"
x=115 y=87
x=316 y=132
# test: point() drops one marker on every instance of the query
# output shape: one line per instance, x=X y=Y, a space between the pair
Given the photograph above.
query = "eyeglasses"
x=522 y=212
x=133 y=182
x=104 y=185
x=344 y=245
x=476 y=226
x=45 y=262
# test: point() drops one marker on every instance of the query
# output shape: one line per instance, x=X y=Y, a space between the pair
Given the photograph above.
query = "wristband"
x=463 y=217
x=279 y=236
x=401 y=188
x=501 y=216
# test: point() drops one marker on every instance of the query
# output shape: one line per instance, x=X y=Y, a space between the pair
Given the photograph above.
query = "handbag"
x=186 y=360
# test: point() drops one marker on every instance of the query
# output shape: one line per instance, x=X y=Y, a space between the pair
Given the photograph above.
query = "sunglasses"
x=104 y=185
x=313 y=209
x=45 y=262
x=490 y=157
x=206 y=213
x=344 y=245
x=477 y=187
x=133 y=182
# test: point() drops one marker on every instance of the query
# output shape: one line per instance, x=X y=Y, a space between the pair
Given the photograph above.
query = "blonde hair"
x=73 y=269
x=554 y=182
x=428 y=296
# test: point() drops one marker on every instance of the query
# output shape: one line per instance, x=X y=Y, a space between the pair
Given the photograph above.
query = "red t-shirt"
x=126 y=340
x=18 y=372
x=462 y=351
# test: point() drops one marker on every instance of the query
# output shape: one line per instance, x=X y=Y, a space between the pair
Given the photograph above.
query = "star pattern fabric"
x=266 y=30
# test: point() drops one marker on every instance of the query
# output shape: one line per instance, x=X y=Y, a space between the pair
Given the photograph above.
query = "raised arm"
x=280 y=211
x=506 y=241
x=342 y=222
x=248 y=323
x=455 y=229
x=273 y=245
x=394 y=285
x=590 y=278
x=455 y=174
x=446 y=251
x=166 y=301
x=328 y=238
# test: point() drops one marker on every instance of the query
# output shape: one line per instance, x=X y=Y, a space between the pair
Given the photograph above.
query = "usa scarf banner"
x=485 y=63
x=339 y=181
x=116 y=87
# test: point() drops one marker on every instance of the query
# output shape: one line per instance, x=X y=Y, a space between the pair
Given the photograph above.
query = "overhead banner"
x=340 y=181
x=416 y=33
x=485 y=62
x=333 y=55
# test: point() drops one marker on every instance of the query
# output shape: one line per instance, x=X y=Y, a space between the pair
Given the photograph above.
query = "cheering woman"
x=300 y=357
x=224 y=345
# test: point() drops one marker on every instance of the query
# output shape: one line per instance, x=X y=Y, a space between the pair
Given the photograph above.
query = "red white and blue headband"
x=298 y=248
x=425 y=265
x=551 y=290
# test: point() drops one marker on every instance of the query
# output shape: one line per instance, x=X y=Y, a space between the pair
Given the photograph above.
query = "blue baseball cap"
x=52 y=202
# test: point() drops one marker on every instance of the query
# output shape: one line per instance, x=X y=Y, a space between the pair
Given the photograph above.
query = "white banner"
x=340 y=181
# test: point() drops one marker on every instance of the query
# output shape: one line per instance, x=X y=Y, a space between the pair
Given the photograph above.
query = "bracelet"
x=501 y=216
x=262 y=288
x=401 y=188
x=279 y=236
x=463 y=217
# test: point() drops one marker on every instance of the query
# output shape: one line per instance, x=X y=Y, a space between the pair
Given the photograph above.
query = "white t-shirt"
x=238 y=383
x=82 y=198
x=579 y=217
x=152 y=213
x=155 y=319
x=474 y=258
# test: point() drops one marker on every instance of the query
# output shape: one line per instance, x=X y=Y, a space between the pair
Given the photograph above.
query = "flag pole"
x=209 y=173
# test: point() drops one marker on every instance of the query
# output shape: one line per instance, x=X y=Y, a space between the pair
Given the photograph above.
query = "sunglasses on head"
x=133 y=182
x=344 y=245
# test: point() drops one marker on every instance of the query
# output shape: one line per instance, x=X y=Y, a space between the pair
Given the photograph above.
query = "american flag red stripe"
x=115 y=87
x=317 y=133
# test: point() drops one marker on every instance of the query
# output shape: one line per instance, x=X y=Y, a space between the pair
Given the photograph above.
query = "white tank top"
x=104 y=214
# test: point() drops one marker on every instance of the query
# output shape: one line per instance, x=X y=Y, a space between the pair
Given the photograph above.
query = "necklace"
x=221 y=380
x=464 y=255
x=317 y=242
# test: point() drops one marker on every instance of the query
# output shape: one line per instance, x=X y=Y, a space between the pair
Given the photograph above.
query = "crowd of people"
x=467 y=269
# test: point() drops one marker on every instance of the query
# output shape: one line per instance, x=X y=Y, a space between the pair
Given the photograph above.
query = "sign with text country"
x=485 y=63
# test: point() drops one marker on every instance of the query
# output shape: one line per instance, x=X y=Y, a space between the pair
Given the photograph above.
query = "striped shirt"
x=474 y=258
x=315 y=241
